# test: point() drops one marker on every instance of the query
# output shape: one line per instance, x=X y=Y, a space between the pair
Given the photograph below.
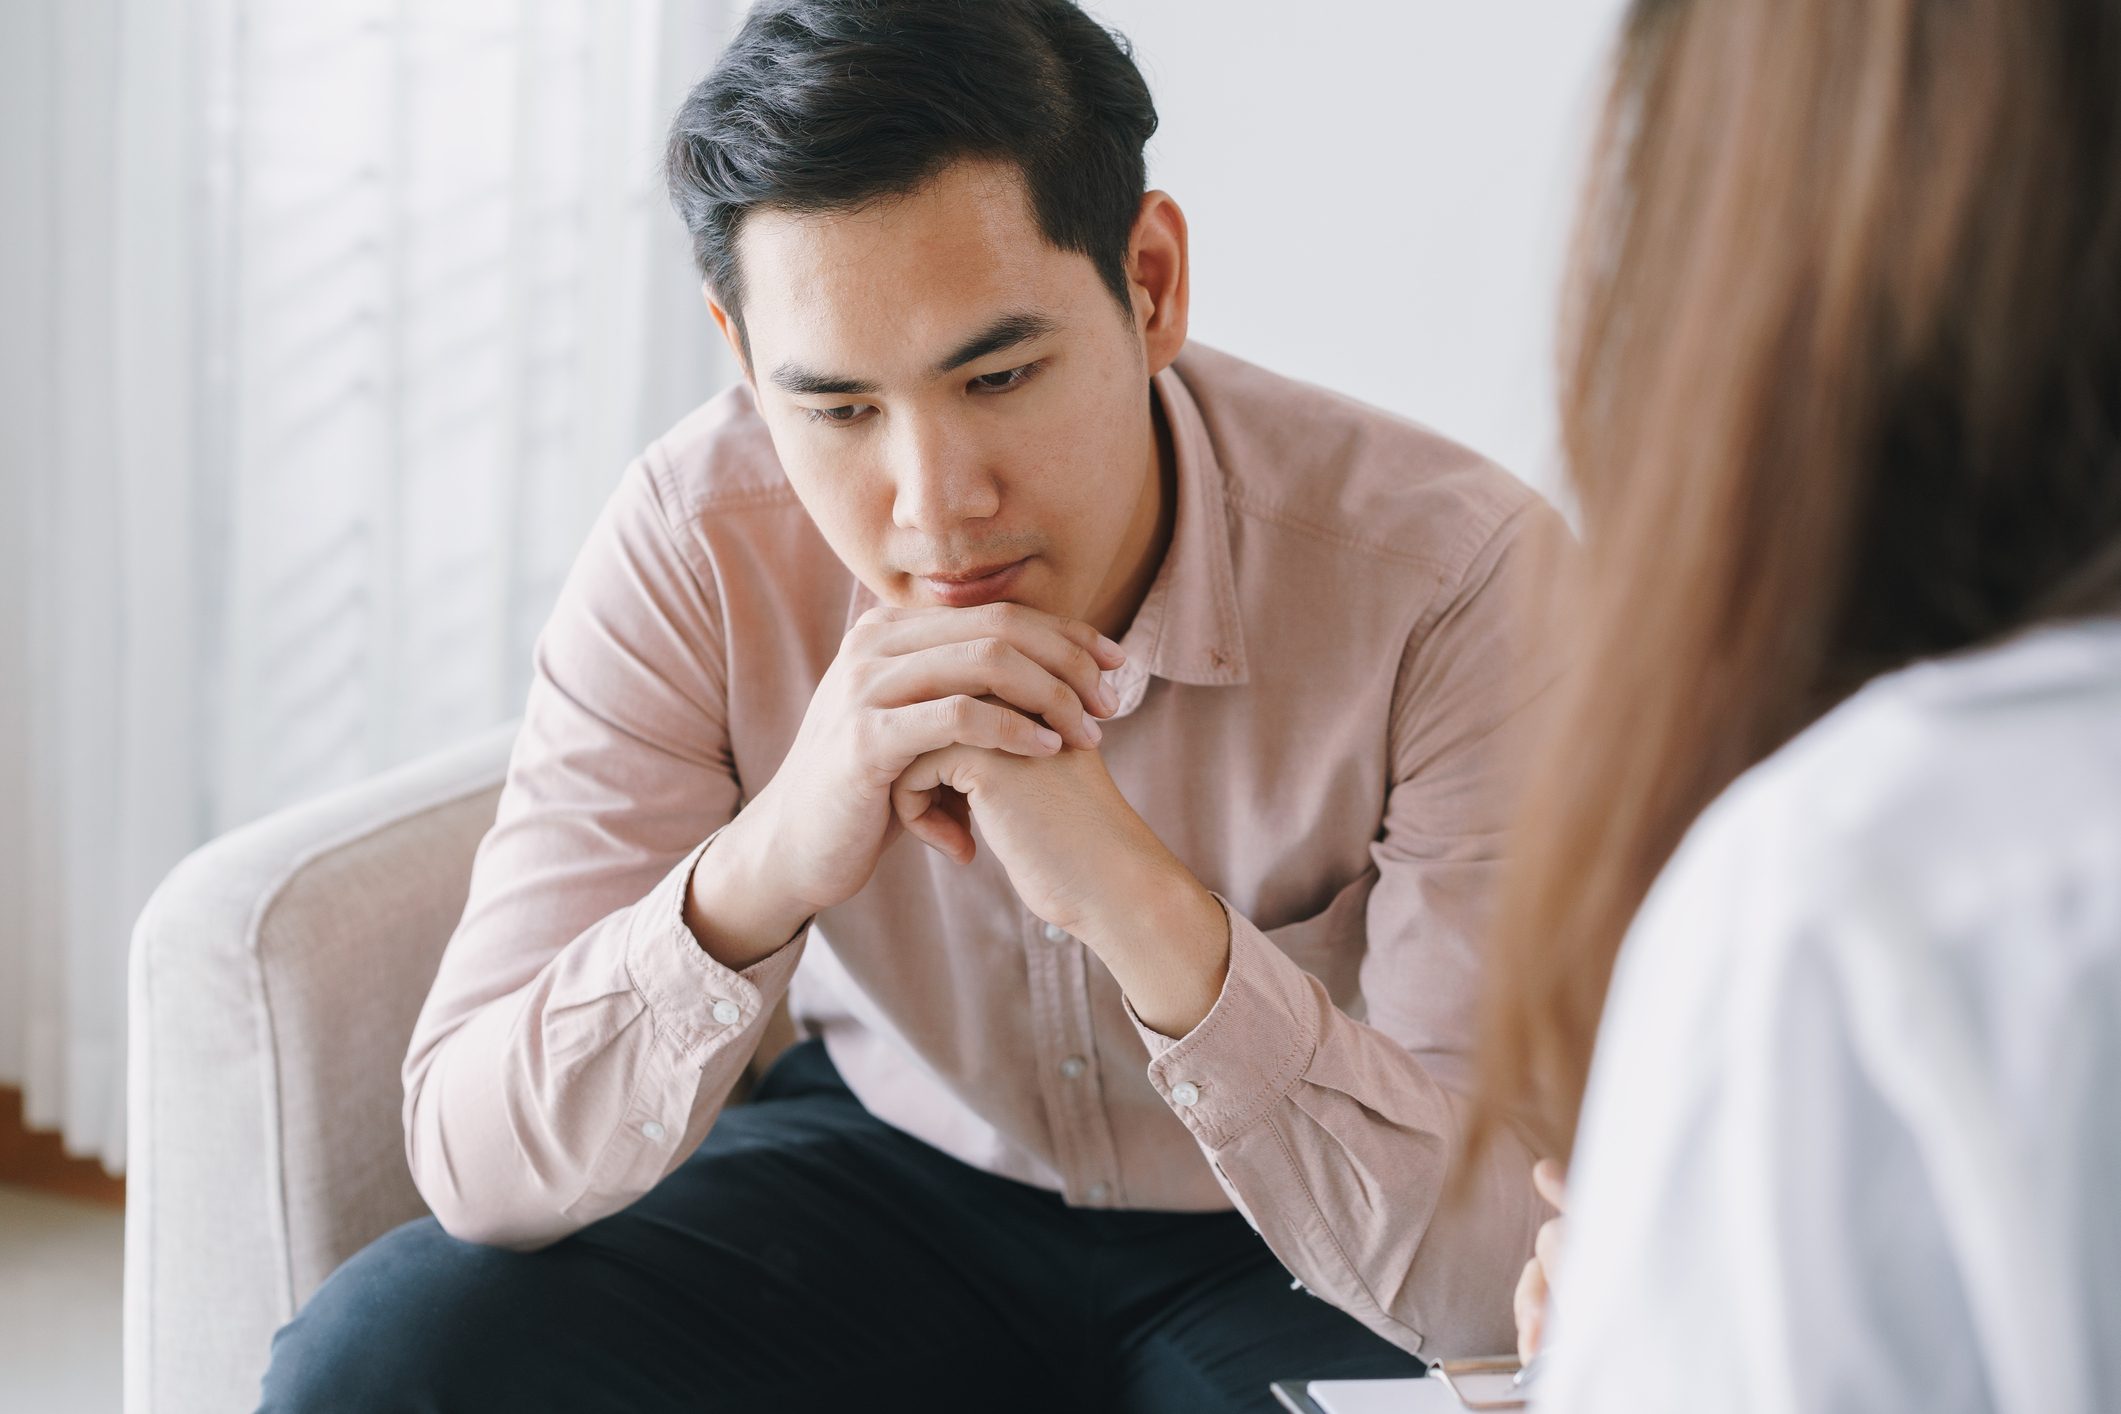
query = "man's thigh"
x=805 y=1257
x=1214 y=1321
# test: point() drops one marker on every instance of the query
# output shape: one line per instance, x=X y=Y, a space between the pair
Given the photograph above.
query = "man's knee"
x=407 y=1324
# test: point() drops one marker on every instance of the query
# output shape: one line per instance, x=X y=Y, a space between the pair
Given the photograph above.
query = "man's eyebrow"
x=794 y=378
x=1004 y=333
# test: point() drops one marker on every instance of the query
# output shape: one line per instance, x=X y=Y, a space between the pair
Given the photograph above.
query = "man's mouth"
x=982 y=585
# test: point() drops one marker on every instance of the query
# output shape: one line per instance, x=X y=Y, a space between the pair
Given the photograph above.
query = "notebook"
x=1417 y=1396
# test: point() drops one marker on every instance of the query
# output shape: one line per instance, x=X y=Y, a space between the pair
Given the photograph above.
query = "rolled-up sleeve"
x=578 y=1042
x=1335 y=1136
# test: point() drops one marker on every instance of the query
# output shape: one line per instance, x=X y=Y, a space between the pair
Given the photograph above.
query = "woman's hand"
x=1538 y=1275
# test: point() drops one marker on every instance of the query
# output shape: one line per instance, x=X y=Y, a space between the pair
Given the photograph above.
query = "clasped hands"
x=929 y=718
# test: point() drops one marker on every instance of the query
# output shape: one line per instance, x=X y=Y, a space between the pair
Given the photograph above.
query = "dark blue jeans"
x=808 y=1257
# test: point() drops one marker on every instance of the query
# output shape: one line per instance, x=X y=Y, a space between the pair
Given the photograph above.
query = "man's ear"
x=732 y=334
x=1158 y=272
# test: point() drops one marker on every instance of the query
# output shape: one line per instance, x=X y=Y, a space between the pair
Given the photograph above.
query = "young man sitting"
x=1100 y=741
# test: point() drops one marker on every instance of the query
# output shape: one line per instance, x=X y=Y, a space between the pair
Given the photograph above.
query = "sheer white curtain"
x=324 y=330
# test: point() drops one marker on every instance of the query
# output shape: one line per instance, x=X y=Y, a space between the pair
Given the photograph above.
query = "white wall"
x=1379 y=192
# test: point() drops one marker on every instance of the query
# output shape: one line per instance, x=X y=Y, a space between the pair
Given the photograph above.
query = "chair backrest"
x=275 y=978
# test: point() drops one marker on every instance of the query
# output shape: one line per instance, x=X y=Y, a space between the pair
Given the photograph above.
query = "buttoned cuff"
x=699 y=1005
x=1255 y=1043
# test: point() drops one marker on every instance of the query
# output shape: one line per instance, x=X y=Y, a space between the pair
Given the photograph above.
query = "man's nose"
x=942 y=480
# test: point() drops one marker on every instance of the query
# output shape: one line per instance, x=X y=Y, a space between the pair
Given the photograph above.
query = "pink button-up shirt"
x=1317 y=711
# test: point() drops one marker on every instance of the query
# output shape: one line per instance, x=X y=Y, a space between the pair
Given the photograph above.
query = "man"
x=1101 y=745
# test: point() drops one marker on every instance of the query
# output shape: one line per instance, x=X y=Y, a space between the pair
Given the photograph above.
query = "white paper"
x=1422 y=1396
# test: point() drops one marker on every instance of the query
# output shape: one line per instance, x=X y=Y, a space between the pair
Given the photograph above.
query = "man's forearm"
x=1167 y=944
x=735 y=907
x=1302 y=1109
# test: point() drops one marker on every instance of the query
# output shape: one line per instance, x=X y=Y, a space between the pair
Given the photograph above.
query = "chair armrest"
x=274 y=980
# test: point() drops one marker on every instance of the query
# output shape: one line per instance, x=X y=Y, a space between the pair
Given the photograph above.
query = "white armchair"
x=275 y=978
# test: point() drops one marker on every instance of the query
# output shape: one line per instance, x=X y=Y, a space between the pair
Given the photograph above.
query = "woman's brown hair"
x=1841 y=390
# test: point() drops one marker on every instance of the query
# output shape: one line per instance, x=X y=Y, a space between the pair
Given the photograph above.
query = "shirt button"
x=1056 y=934
x=727 y=1013
x=1186 y=1093
x=1073 y=1067
x=1096 y=1192
x=651 y=1130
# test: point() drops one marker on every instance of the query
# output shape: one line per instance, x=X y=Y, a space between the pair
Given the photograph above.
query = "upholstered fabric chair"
x=275 y=977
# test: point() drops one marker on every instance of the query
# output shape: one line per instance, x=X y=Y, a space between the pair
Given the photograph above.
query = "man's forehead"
x=966 y=209
x=903 y=279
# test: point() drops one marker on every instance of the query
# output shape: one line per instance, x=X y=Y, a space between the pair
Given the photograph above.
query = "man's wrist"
x=1168 y=946
x=733 y=907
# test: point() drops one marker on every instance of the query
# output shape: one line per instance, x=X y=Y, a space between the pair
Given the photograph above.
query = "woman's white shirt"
x=1852 y=1139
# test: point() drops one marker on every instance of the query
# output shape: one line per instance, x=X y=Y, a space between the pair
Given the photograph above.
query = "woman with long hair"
x=1823 y=847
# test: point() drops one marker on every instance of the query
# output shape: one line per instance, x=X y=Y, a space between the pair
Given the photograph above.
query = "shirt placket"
x=1070 y=1076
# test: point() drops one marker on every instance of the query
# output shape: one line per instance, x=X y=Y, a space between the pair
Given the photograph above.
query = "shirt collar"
x=1188 y=628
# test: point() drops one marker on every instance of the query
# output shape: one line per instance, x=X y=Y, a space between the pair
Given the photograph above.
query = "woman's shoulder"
x=1944 y=784
x=1963 y=814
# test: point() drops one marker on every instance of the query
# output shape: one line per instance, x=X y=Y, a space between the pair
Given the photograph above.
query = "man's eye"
x=1004 y=381
x=849 y=412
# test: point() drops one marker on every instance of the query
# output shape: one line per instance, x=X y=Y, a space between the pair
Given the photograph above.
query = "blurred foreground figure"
x=1828 y=825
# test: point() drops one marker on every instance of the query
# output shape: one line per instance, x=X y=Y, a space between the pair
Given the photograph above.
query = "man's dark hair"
x=825 y=105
